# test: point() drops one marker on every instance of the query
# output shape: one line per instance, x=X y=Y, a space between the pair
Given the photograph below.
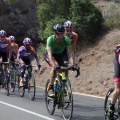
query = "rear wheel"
x=107 y=102
x=21 y=89
x=31 y=88
x=50 y=102
x=67 y=101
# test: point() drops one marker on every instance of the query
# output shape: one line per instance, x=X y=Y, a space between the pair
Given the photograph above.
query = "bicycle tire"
x=8 y=86
x=12 y=83
x=107 y=102
x=49 y=100
x=21 y=89
x=67 y=85
x=31 y=84
x=67 y=110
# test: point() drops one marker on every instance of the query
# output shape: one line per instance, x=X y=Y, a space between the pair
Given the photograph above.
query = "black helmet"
x=59 y=28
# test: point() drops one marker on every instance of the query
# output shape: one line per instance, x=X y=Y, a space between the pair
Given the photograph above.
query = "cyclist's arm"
x=10 y=49
x=49 y=51
x=119 y=59
x=37 y=58
x=70 y=52
x=16 y=51
x=75 y=37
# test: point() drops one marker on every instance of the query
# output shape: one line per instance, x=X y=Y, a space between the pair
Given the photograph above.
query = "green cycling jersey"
x=58 y=48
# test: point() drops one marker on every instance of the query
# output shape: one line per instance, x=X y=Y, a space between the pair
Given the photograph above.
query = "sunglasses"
x=12 y=41
x=27 y=45
x=60 y=34
x=2 y=36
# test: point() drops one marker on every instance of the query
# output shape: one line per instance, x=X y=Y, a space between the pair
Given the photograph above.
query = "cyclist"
x=72 y=35
x=14 y=49
x=24 y=54
x=56 y=45
x=116 y=92
x=5 y=49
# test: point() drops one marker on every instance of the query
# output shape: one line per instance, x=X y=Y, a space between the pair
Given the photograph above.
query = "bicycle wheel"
x=12 y=81
x=49 y=101
x=107 y=102
x=31 y=88
x=21 y=89
x=67 y=100
x=7 y=86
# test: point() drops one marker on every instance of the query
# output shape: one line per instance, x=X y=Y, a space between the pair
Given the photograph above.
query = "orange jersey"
x=73 y=38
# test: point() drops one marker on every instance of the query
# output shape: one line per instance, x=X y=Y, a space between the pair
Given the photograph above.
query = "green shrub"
x=112 y=16
x=86 y=18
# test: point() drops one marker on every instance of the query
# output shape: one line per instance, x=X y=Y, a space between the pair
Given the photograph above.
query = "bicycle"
x=4 y=85
x=106 y=105
x=63 y=92
x=29 y=82
x=13 y=66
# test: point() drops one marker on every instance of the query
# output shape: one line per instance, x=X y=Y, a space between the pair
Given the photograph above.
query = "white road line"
x=30 y=112
x=76 y=93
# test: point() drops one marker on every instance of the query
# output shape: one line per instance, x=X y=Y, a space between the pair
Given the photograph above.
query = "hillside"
x=95 y=61
x=96 y=64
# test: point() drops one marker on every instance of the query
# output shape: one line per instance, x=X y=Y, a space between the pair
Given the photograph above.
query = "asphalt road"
x=14 y=107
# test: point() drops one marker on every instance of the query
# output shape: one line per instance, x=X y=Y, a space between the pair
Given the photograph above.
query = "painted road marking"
x=30 y=112
x=76 y=93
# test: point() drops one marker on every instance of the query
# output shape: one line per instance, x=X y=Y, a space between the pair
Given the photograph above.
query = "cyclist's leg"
x=22 y=72
x=59 y=61
x=116 y=92
x=5 y=59
x=65 y=58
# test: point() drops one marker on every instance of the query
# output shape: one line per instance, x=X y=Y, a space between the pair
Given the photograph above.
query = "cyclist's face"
x=59 y=36
x=2 y=37
x=27 y=46
x=68 y=31
x=12 y=41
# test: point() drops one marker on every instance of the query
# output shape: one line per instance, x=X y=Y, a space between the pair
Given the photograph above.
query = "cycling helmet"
x=59 y=29
x=12 y=38
x=68 y=25
x=3 y=33
x=27 y=41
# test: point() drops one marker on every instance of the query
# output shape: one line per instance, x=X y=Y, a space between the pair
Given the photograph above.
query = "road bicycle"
x=106 y=105
x=12 y=68
x=4 y=85
x=63 y=92
x=28 y=83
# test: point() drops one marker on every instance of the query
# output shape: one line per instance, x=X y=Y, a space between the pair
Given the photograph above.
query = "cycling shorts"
x=4 y=56
x=26 y=61
x=116 y=71
x=59 y=58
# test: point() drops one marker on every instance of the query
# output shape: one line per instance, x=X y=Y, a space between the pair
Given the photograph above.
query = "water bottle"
x=25 y=77
x=57 y=85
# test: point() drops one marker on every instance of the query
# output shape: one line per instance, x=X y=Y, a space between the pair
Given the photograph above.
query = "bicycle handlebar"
x=73 y=68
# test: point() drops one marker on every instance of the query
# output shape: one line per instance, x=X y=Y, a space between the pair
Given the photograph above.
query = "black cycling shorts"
x=4 y=56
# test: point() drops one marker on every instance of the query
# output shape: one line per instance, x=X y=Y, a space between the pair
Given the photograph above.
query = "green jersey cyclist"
x=56 y=45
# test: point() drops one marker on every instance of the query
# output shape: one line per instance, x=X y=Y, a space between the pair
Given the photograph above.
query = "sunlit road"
x=14 y=107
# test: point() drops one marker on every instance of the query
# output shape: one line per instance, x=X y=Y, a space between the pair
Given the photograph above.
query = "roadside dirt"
x=96 y=64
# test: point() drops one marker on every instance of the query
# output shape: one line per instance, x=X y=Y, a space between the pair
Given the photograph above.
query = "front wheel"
x=49 y=101
x=67 y=100
x=12 y=81
x=31 y=88
x=107 y=102
x=21 y=89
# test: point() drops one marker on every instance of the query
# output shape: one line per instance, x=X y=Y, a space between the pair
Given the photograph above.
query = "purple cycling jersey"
x=4 y=46
x=24 y=53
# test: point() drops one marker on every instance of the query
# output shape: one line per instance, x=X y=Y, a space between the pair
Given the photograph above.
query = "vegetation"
x=85 y=16
x=112 y=16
